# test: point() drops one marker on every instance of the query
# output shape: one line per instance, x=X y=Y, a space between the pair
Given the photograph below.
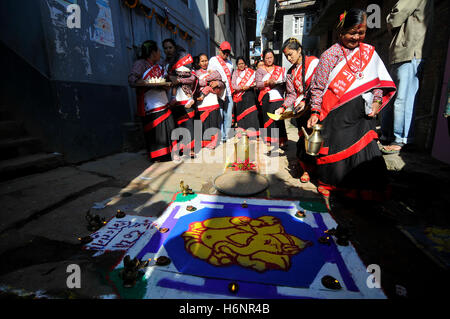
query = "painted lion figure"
x=260 y=243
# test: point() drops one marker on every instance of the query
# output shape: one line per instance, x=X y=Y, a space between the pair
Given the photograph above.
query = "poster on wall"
x=103 y=27
x=65 y=3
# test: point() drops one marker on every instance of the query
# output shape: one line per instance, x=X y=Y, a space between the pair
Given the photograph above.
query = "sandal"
x=326 y=196
x=390 y=150
x=305 y=178
x=323 y=191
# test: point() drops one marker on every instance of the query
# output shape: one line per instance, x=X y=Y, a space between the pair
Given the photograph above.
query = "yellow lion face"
x=259 y=243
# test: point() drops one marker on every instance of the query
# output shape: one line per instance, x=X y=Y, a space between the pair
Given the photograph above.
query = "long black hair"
x=241 y=58
x=147 y=48
x=196 y=58
x=294 y=44
x=172 y=41
x=178 y=48
x=350 y=18
x=268 y=50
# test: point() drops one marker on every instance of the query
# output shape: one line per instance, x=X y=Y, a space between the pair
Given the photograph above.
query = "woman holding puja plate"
x=350 y=87
x=153 y=105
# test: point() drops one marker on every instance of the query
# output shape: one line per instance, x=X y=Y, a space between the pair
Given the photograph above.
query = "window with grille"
x=297 y=28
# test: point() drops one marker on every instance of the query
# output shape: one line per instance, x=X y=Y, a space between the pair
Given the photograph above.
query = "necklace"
x=265 y=68
x=359 y=74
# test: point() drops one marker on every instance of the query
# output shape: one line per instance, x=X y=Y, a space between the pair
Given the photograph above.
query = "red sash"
x=344 y=79
x=154 y=70
x=157 y=121
x=237 y=96
x=297 y=76
x=251 y=109
x=275 y=74
x=183 y=61
x=227 y=72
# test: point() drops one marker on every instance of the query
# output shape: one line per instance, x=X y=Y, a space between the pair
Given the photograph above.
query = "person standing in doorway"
x=408 y=22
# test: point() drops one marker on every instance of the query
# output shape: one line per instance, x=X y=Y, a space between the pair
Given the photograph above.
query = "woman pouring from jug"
x=298 y=81
x=350 y=87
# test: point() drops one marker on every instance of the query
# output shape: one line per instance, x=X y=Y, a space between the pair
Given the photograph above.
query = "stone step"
x=15 y=147
x=11 y=129
x=4 y=113
x=26 y=165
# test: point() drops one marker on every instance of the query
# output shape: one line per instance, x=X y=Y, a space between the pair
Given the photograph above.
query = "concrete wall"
x=229 y=27
x=70 y=87
x=279 y=26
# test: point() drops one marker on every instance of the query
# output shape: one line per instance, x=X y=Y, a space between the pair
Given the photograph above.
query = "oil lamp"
x=233 y=287
x=331 y=282
x=120 y=214
x=95 y=222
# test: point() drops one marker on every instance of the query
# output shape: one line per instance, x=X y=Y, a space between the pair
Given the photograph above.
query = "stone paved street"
x=43 y=216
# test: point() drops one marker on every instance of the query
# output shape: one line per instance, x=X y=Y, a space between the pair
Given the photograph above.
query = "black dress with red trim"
x=350 y=160
x=269 y=126
x=307 y=162
x=157 y=133
x=184 y=118
x=245 y=113
x=211 y=120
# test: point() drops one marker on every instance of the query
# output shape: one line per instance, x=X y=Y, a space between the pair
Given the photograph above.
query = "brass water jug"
x=242 y=148
x=314 y=141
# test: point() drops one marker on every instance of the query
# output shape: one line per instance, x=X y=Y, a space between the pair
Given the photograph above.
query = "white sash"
x=209 y=100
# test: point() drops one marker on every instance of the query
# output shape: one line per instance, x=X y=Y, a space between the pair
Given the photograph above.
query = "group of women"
x=344 y=90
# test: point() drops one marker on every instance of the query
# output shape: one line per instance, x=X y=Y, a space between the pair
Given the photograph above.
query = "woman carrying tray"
x=350 y=87
x=298 y=81
x=153 y=105
x=246 y=112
